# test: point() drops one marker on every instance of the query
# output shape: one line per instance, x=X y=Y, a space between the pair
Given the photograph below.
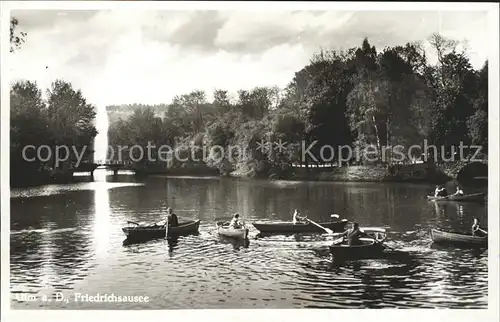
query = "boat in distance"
x=290 y=228
x=153 y=231
x=471 y=197
x=224 y=230
x=442 y=237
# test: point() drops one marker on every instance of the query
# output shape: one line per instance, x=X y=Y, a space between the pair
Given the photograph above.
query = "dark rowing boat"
x=368 y=248
x=153 y=231
x=442 y=237
x=290 y=228
x=472 y=197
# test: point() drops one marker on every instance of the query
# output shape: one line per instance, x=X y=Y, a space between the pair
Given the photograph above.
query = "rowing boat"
x=224 y=230
x=155 y=230
x=379 y=234
x=290 y=228
x=368 y=248
x=442 y=237
x=472 y=197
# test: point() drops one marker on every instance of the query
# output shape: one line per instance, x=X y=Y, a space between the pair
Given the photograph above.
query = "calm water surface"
x=68 y=239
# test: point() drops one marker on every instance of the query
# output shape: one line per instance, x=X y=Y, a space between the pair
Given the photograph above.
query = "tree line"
x=62 y=118
x=358 y=97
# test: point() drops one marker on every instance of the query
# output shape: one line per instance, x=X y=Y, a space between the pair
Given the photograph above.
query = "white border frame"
x=490 y=314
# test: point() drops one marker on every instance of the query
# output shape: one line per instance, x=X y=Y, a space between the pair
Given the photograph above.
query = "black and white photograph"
x=186 y=156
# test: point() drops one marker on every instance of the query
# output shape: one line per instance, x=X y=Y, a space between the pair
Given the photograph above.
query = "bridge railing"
x=112 y=162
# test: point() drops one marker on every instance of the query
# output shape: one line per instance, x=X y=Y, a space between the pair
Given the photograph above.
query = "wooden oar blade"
x=328 y=230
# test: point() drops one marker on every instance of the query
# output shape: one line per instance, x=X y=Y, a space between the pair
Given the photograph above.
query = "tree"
x=16 y=40
x=70 y=117
x=478 y=123
x=221 y=102
x=190 y=106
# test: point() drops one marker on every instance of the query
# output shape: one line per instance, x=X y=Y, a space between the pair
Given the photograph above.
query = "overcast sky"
x=118 y=57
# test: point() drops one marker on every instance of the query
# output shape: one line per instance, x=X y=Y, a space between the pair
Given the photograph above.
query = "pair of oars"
x=330 y=232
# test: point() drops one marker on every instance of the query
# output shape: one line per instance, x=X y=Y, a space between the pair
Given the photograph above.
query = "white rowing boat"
x=224 y=230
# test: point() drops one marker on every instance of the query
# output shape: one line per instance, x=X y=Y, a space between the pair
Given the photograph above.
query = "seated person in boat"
x=440 y=191
x=353 y=235
x=476 y=230
x=173 y=221
x=459 y=192
x=297 y=218
x=235 y=222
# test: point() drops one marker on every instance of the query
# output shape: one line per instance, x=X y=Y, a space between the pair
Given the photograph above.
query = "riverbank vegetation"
x=62 y=118
x=359 y=97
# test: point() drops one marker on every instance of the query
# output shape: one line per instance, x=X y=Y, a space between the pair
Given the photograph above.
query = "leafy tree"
x=478 y=123
x=16 y=39
x=70 y=117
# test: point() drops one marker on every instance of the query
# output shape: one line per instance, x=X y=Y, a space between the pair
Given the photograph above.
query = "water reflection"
x=101 y=225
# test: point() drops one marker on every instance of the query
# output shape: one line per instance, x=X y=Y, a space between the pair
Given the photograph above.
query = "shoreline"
x=367 y=174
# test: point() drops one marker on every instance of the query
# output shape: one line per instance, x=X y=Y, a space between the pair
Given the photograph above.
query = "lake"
x=67 y=239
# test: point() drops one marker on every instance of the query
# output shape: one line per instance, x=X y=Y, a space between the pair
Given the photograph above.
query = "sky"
x=134 y=56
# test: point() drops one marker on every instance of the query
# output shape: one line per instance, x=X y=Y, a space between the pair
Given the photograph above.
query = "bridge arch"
x=473 y=170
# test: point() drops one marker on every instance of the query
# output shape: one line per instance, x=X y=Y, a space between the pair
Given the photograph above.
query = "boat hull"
x=225 y=231
x=442 y=237
x=290 y=228
x=368 y=249
x=154 y=232
x=476 y=197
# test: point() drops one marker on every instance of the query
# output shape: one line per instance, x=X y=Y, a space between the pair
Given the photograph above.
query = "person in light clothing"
x=235 y=222
x=297 y=218
x=459 y=192
x=476 y=230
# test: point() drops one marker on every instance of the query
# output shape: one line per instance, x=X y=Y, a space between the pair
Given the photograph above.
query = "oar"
x=384 y=245
x=166 y=228
x=483 y=231
x=329 y=231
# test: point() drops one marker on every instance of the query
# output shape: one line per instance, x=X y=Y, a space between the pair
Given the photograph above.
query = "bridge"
x=465 y=170
x=109 y=164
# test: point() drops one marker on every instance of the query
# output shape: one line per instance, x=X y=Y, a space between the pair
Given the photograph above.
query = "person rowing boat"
x=459 y=192
x=173 y=221
x=297 y=218
x=476 y=230
x=353 y=235
x=440 y=191
x=235 y=222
